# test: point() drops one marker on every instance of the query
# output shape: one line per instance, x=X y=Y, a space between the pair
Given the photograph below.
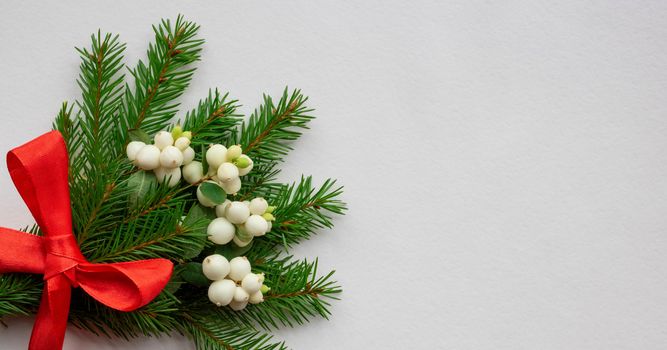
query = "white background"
x=504 y=162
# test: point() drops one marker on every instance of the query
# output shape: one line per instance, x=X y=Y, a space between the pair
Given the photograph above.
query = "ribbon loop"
x=39 y=170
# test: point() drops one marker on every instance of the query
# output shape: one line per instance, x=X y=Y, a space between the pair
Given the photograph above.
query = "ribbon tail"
x=125 y=286
x=51 y=322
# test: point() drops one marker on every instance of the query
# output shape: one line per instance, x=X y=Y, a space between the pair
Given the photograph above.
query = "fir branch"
x=269 y=128
x=113 y=223
x=19 y=294
x=301 y=210
x=213 y=120
x=159 y=317
x=165 y=77
x=154 y=229
x=212 y=333
x=66 y=126
x=297 y=293
x=260 y=182
x=101 y=92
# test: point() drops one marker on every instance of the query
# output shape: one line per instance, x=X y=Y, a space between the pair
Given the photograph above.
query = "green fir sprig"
x=123 y=214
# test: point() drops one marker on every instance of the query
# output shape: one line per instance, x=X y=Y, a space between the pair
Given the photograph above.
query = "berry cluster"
x=240 y=222
x=233 y=282
x=225 y=168
x=165 y=156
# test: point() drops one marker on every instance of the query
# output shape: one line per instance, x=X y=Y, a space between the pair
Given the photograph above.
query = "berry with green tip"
x=246 y=170
x=176 y=132
x=182 y=143
x=233 y=152
x=242 y=162
x=268 y=217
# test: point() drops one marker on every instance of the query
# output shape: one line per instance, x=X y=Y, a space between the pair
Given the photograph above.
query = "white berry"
x=256 y=225
x=220 y=231
x=238 y=305
x=240 y=294
x=188 y=155
x=182 y=143
x=215 y=267
x=221 y=210
x=215 y=155
x=237 y=213
x=221 y=292
x=233 y=152
x=171 y=157
x=148 y=157
x=228 y=172
x=172 y=175
x=247 y=169
x=133 y=148
x=232 y=187
x=258 y=206
x=256 y=298
x=163 y=139
x=241 y=243
x=251 y=283
x=203 y=200
x=193 y=172
x=240 y=267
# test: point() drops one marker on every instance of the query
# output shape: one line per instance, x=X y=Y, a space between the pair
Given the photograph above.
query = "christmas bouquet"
x=150 y=226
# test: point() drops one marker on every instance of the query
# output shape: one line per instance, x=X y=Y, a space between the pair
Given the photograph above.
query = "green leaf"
x=231 y=250
x=139 y=184
x=213 y=192
x=192 y=273
x=197 y=220
x=174 y=283
x=139 y=135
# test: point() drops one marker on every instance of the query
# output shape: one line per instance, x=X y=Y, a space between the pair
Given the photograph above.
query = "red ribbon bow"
x=39 y=171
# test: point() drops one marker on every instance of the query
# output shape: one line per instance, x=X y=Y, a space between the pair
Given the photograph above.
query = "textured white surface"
x=504 y=161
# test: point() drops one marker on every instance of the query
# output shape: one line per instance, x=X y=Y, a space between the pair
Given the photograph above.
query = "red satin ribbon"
x=39 y=170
